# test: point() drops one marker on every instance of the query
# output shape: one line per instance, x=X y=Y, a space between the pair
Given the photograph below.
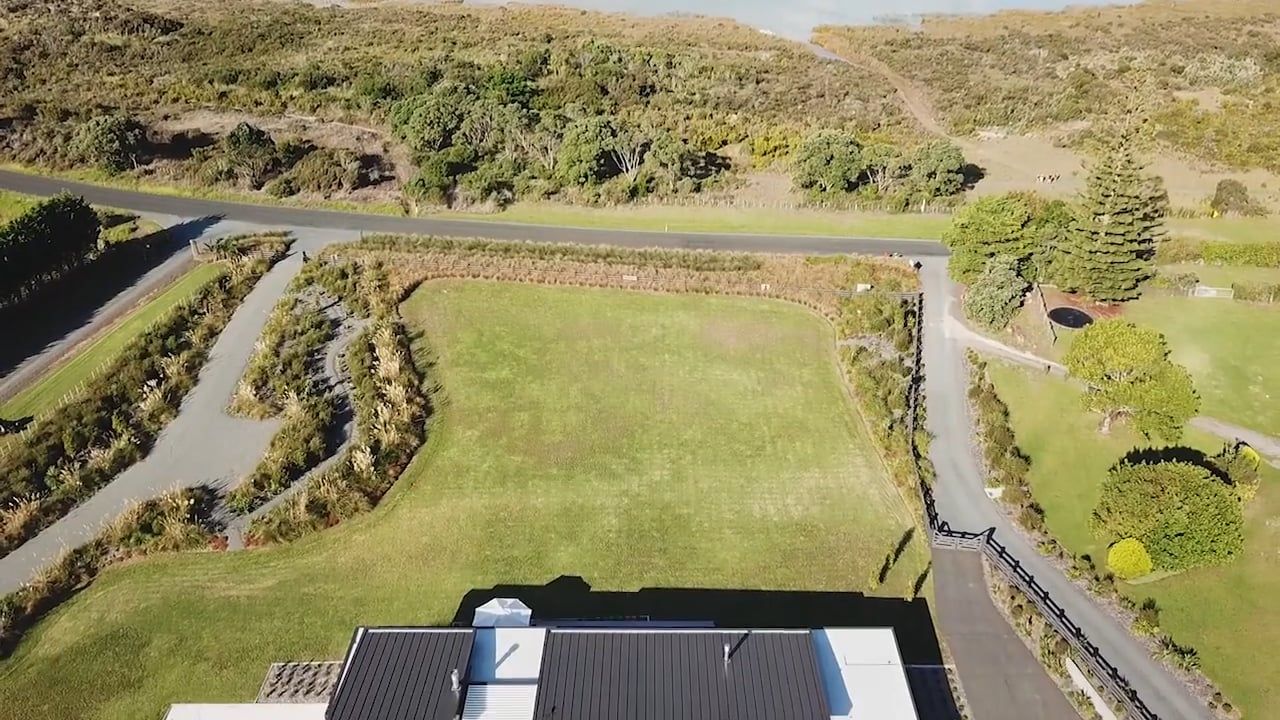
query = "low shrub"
x=1238 y=464
x=1182 y=283
x=1128 y=559
x=1184 y=516
x=327 y=171
x=1256 y=292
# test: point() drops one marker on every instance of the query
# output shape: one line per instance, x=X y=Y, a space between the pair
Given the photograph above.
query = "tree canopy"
x=829 y=161
x=1110 y=249
x=49 y=238
x=996 y=225
x=1129 y=374
x=1183 y=515
x=995 y=296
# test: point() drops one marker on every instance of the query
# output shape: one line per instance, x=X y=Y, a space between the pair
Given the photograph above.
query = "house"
x=599 y=671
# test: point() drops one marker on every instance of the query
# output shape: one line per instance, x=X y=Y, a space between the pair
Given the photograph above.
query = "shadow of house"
x=571 y=600
x=70 y=303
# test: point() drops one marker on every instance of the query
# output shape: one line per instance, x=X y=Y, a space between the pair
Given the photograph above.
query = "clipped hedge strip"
x=1216 y=252
x=1256 y=292
x=701 y=260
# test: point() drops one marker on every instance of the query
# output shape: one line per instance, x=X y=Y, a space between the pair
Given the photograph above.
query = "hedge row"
x=1214 y=252
x=1007 y=466
x=700 y=260
x=168 y=523
x=46 y=240
x=79 y=447
x=879 y=363
x=1256 y=292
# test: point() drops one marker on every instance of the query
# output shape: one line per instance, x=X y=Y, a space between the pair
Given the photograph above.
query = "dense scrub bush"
x=77 y=448
x=43 y=242
x=1231 y=197
x=328 y=172
x=110 y=142
x=488 y=113
x=283 y=364
x=1183 y=515
x=1129 y=559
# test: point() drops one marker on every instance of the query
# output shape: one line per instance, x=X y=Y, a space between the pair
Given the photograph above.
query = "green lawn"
x=1232 y=350
x=64 y=378
x=1228 y=614
x=633 y=439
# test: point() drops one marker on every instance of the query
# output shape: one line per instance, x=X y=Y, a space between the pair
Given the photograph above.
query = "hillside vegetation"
x=474 y=105
x=1206 y=73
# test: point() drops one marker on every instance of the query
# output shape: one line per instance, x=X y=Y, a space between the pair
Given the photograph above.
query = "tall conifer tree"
x=1110 y=249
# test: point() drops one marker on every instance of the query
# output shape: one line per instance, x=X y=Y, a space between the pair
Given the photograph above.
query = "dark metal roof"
x=590 y=674
x=402 y=674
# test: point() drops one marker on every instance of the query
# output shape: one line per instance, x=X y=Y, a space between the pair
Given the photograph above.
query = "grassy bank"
x=633 y=439
x=1226 y=613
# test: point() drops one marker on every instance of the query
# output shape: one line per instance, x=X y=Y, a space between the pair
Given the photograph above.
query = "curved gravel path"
x=203 y=445
x=338 y=375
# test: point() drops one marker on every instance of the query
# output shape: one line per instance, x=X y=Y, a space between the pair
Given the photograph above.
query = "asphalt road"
x=961 y=497
x=288 y=217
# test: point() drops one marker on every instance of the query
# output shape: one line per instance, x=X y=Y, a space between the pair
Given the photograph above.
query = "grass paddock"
x=633 y=439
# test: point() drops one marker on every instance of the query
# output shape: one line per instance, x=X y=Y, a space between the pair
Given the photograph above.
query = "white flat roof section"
x=500 y=702
x=247 y=711
x=506 y=654
x=863 y=675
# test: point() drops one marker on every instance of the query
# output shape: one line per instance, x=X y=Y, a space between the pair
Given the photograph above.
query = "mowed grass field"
x=1232 y=349
x=97 y=353
x=632 y=439
x=1229 y=613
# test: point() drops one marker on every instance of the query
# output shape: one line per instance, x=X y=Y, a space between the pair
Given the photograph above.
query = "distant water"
x=796 y=18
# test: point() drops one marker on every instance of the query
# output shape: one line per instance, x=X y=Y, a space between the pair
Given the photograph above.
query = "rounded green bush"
x=1128 y=559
